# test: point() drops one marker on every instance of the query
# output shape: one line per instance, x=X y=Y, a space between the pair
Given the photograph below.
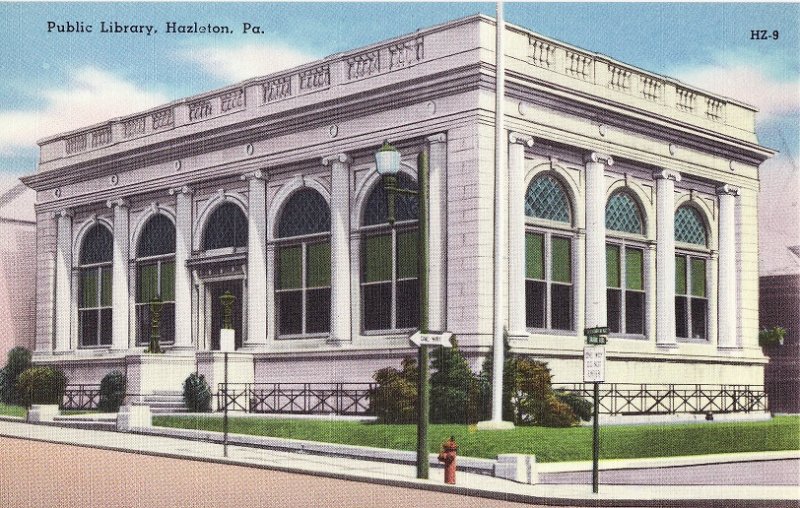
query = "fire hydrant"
x=448 y=456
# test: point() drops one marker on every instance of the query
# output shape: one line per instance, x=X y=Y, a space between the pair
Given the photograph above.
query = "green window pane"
x=148 y=283
x=318 y=265
x=612 y=266
x=680 y=275
x=168 y=281
x=698 y=277
x=534 y=256
x=377 y=258
x=290 y=267
x=89 y=288
x=634 y=273
x=105 y=287
x=407 y=257
x=562 y=261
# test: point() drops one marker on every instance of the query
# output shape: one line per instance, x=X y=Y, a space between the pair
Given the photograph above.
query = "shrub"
x=19 y=360
x=42 y=385
x=196 y=393
x=112 y=392
x=394 y=400
x=535 y=401
x=770 y=337
x=580 y=406
x=455 y=390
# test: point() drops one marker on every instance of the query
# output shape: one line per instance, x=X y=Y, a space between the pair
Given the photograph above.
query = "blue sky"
x=53 y=82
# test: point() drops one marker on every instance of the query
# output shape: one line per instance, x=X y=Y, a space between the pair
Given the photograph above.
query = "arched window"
x=389 y=261
x=625 y=296
x=227 y=227
x=548 y=254
x=303 y=276
x=94 y=299
x=691 y=274
x=155 y=277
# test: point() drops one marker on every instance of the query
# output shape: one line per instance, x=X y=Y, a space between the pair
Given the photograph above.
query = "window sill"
x=398 y=333
x=549 y=331
x=306 y=336
x=684 y=340
x=627 y=336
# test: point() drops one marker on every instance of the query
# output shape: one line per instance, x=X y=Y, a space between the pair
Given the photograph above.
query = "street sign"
x=597 y=330
x=420 y=339
x=594 y=364
x=597 y=340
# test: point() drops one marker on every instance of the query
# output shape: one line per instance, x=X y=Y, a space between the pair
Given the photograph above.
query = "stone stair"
x=165 y=402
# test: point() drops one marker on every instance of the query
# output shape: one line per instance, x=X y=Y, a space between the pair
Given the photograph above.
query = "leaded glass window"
x=94 y=297
x=623 y=214
x=548 y=281
x=390 y=261
x=155 y=277
x=691 y=298
x=547 y=199
x=625 y=295
x=227 y=227
x=303 y=259
x=689 y=226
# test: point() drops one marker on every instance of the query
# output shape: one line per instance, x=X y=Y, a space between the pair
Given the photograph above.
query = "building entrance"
x=217 y=289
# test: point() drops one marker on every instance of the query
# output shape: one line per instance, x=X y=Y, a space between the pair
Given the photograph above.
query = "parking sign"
x=594 y=364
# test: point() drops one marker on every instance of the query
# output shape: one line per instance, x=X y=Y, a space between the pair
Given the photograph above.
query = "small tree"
x=455 y=390
x=534 y=397
x=112 y=391
x=196 y=393
x=19 y=360
x=394 y=400
x=42 y=385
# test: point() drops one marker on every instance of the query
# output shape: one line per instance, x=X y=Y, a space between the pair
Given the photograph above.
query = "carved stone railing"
x=232 y=100
x=163 y=119
x=579 y=65
x=75 y=144
x=317 y=77
x=405 y=53
x=364 y=65
x=652 y=88
x=686 y=100
x=541 y=53
x=277 y=89
x=133 y=127
x=619 y=78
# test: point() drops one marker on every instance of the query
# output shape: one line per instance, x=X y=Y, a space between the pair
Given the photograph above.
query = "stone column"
x=63 y=303
x=437 y=232
x=183 y=277
x=596 y=239
x=341 y=315
x=726 y=283
x=256 y=261
x=516 y=234
x=120 y=320
x=665 y=257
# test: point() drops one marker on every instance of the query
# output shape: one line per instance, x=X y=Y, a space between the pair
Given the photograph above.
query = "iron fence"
x=83 y=397
x=651 y=399
x=297 y=398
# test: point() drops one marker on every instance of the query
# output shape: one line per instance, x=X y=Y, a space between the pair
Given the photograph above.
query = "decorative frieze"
x=619 y=78
x=685 y=99
x=652 y=89
x=406 y=53
x=231 y=100
x=278 y=89
x=541 y=53
x=163 y=118
x=75 y=144
x=579 y=66
x=363 y=65
x=133 y=127
x=200 y=110
x=317 y=77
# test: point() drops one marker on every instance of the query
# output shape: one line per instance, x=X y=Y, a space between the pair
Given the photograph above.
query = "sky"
x=53 y=82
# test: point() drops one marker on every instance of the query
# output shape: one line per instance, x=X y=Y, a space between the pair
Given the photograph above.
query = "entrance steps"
x=165 y=402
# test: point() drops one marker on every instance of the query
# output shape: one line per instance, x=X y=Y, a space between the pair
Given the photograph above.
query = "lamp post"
x=387 y=163
x=227 y=343
x=156 y=306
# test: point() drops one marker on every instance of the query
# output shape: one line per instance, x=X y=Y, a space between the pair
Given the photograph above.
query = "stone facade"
x=591 y=126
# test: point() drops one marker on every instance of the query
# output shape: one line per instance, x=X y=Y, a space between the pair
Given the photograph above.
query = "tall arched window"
x=303 y=276
x=548 y=254
x=155 y=277
x=94 y=299
x=389 y=261
x=227 y=227
x=625 y=297
x=691 y=274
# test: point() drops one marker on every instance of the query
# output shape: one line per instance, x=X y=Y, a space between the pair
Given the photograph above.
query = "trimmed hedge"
x=19 y=360
x=196 y=393
x=112 y=392
x=42 y=385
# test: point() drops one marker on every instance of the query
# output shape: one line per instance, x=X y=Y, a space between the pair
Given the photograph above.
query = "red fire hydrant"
x=448 y=456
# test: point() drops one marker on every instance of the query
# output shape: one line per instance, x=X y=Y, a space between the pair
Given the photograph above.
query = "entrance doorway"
x=217 y=289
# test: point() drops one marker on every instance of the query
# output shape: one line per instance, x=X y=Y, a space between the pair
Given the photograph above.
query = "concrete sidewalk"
x=404 y=475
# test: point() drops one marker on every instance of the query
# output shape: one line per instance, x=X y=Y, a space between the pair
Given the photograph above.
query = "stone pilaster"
x=516 y=234
x=726 y=281
x=596 y=239
x=120 y=320
x=63 y=273
x=437 y=232
x=256 y=261
x=665 y=257
x=341 y=315
x=183 y=277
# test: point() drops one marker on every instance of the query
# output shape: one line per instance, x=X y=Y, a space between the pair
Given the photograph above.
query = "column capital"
x=667 y=174
x=441 y=137
x=66 y=212
x=258 y=174
x=727 y=190
x=113 y=203
x=519 y=138
x=598 y=157
x=184 y=189
x=339 y=157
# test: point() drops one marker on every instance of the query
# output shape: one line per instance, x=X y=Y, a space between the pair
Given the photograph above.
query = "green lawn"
x=548 y=444
x=9 y=410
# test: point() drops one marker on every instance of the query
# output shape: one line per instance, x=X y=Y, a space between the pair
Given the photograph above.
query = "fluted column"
x=63 y=301
x=665 y=257
x=516 y=234
x=437 y=232
x=183 y=277
x=726 y=281
x=341 y=314
x=596 y=239
x=120 y=315
x=256 y=261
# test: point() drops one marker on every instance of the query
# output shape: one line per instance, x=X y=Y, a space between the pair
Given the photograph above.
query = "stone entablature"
x=427 y=51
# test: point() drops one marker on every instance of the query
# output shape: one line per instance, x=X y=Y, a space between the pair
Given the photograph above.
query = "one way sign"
x=420 y=339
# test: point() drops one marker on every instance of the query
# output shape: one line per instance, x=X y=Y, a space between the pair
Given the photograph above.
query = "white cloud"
x=91 y=96
x=246 y=61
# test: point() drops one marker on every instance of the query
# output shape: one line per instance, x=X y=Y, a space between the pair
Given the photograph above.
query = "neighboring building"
x=632 y=202
x=17 y=267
